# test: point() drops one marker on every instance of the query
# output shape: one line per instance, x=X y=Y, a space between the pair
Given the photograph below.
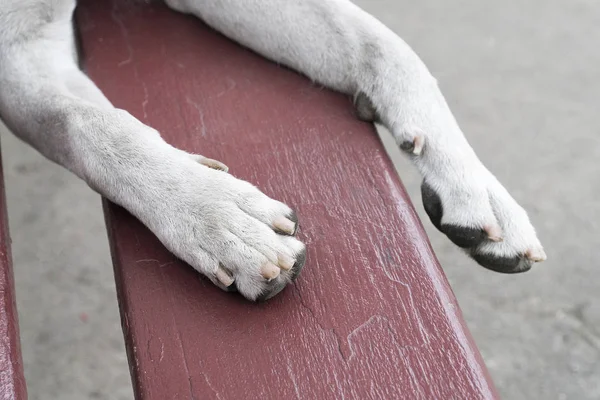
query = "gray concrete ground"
x=524 y=81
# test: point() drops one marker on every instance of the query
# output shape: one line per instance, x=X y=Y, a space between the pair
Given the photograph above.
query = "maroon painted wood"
x=372 y=315
x=12 y=380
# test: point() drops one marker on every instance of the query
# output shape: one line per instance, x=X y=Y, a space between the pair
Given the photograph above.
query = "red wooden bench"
x=12 y=381
x=372 y=315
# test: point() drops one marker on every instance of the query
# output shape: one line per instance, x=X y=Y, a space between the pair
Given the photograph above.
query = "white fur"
x=207 y=217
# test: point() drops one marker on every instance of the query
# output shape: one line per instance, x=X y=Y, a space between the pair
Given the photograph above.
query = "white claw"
x=224 y=277
x=210 y=163
x=418 y=142
x=536 y=255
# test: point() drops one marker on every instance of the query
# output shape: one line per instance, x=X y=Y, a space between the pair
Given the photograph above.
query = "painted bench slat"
x=372 y=315
x=12 y=380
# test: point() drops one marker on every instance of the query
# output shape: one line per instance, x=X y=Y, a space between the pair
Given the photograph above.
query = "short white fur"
x=212 y=218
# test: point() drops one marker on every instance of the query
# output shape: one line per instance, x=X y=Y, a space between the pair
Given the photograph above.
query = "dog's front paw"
x=479 y=215
x=225 y=228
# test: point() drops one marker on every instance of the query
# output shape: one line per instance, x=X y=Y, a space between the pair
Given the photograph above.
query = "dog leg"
x=339 y=45
x=224 y=227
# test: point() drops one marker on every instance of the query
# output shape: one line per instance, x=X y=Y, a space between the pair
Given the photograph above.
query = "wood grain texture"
x=372 y=315
x=12 y=380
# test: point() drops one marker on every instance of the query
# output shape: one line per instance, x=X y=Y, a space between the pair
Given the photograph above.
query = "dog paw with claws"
x=484 y=220
x=224 y=227
x=462 y=198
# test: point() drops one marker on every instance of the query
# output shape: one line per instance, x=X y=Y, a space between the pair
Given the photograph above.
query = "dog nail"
x=494 y=233
x=418 y=143
x=224 y=277
x=536 y=255
x=270 y=271
x=416 y=146
x=214 y=164
x=284 y=225
x=285 y=262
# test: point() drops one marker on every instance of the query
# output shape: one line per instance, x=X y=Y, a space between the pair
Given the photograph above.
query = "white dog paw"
x=482 y=218
x=462 y=198
x=227 y=229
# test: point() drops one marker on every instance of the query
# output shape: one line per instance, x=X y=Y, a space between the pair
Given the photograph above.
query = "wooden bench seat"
x=371 y=316
x=12 y=380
